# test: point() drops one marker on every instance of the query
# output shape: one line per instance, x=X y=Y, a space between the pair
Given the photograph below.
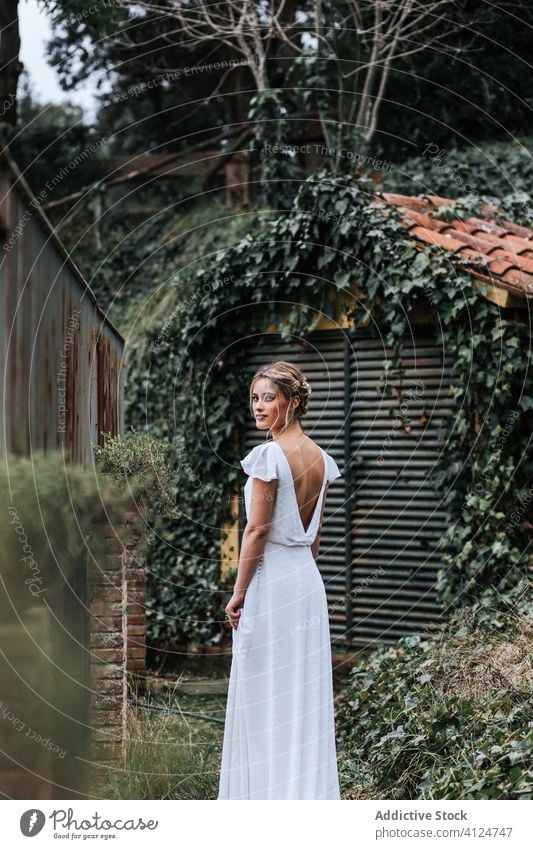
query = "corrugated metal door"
x=397 y=516
x=382 y=518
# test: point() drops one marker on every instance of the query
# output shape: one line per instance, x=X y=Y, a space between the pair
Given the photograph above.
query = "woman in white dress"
x=279 y=735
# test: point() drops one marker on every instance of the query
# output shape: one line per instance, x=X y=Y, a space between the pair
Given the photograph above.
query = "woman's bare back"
x=307 y=466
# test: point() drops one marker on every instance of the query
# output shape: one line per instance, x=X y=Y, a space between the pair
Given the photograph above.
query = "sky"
x=34 y=33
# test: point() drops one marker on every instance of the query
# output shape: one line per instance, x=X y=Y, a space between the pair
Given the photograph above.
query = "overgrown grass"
x=442 y=718
x=133 y=274
x=167 y=755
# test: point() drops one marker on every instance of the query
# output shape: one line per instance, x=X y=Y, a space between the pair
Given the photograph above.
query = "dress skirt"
x=279 y=737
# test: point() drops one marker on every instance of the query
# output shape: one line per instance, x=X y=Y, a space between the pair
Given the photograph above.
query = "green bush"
x=185 y=596
x=444 y=717
x=53 y=516
x=141 y=466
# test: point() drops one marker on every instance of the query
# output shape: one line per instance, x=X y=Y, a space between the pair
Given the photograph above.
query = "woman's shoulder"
x=260 y=449
x=297 y=444
x=332 y=468
x=260 y=461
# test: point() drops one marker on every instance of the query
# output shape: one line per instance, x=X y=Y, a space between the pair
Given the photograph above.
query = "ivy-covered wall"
x=192 y=383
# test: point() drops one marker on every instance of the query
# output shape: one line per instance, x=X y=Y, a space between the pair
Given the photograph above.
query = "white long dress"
x=279 y=734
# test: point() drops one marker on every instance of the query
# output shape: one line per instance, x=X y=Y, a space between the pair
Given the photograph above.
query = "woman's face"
x=269 y=405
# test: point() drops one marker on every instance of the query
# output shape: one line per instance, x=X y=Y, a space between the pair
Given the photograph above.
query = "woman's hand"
x=233 y=606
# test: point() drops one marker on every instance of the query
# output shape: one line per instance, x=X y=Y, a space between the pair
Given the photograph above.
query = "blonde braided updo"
x=291 y=382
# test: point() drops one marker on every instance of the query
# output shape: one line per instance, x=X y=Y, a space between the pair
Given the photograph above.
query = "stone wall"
x=117 y=593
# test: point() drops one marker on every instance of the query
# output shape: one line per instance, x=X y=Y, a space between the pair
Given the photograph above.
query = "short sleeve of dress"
x=333 y=469
x=260 y=462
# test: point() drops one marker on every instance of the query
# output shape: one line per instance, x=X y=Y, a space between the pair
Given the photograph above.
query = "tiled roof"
x=501 y=254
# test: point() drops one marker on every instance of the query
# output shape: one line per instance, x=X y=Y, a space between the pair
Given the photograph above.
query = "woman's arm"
x=315 y=548
x=253 y=542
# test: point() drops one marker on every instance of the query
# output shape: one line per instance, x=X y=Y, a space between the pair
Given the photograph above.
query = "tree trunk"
x=10 y=65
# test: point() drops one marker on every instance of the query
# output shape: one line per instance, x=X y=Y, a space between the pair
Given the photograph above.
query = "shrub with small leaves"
x=445 y=717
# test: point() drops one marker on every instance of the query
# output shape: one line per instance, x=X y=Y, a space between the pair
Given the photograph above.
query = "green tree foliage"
x=466 y=83
x=480 y=91
x=10 y=64
x=53 y=141
x=151 y=87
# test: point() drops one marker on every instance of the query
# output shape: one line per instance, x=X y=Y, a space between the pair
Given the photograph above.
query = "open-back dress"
x=279 y=734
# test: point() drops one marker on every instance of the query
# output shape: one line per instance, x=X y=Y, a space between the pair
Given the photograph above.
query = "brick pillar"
x=135 y=589
x=117 y=592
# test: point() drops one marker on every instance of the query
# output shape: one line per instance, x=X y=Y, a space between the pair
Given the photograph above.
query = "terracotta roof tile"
x=501 y=252
x=519 y=230
x=519 y=278
x=525 y=263
x=412 y=216
x=438 y=201
x=500 y=267
x=432 y=237
x=456 y=224
x=486 y=226
x=474 y=241
x=405 y=201
x=502 y=283
x=515 y=243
